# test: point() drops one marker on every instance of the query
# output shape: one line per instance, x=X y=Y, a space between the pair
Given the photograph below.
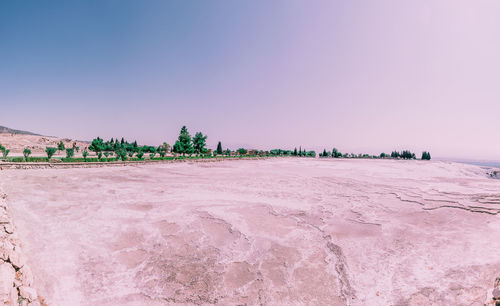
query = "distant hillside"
x=6 y=130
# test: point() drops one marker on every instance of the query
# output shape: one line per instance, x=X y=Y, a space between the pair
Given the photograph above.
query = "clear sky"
x=363 y=76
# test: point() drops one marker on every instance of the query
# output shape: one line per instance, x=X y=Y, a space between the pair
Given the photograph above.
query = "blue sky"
x=362 y=76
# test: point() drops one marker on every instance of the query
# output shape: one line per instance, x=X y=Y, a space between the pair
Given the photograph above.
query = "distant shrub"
x=406 y=154
x=336 y=153
x=5 y=151
x=85 y=153
x=161 y=151
x=70 y=153
x=50 y=152
x=121 y=154
x=60 y=146
x=426 y=155
x=26 y=153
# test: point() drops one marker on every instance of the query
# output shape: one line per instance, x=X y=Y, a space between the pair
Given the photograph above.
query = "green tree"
x=60 y=146
x=295 y=151
x=161 y=151
x=228 y=152
x=219 y=148
x=426 y=155
x=166 y=146
x=97 y=145
x=242 y=151
x=336 y=153
x=183 y=144
x=4 y=150
x=85 y=153
x=121 y=154
x=153 y=152
x=70 y=153
x=50 y=152
x=26 y=153
x=139 y=154
x=199 y=143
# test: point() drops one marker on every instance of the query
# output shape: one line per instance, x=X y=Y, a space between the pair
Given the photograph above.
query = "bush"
x=5 y=151
x=70 y=153
x=121 y=154
x=26 y=153
x=50 y=152
x=36 y=159
x=60 y=146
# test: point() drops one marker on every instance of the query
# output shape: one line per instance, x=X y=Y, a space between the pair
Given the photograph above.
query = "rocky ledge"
x=16 y=278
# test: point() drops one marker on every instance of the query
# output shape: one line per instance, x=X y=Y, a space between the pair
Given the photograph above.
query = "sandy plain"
x=282 y=231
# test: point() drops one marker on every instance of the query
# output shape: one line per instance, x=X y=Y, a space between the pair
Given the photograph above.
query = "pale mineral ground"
x=281 y=231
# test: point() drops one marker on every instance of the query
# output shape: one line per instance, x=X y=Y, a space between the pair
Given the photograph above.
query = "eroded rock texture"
x=16 y=278
x=273 y=232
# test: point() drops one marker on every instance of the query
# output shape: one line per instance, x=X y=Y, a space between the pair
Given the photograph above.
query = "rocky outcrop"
x=16 y=278
x=493 y=297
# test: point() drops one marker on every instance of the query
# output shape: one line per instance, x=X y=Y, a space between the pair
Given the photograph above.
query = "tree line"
x=405 y=154
x=185 y=144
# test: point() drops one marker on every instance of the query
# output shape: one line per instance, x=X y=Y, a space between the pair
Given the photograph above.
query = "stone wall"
x=61 y=165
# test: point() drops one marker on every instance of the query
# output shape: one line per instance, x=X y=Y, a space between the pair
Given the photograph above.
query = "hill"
x=17 y=140
x=6 y=130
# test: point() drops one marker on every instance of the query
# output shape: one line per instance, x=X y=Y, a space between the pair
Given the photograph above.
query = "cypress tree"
x=219 y=148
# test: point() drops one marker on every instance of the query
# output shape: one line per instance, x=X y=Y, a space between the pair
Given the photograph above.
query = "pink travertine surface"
x=272 y=232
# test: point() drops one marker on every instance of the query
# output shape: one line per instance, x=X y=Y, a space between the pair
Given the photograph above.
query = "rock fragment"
x=7 y=275
x=28 y=293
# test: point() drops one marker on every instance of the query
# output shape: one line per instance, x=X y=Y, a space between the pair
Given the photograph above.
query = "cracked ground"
x=271 y=232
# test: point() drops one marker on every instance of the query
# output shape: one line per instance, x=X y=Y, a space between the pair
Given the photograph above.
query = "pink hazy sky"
x=362 y=76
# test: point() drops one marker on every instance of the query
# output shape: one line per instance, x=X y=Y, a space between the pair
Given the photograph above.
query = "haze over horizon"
x=362 y=76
